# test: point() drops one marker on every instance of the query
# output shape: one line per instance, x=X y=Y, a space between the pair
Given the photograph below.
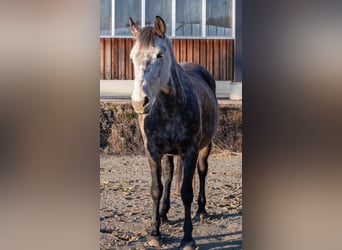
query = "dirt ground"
x=125 y=205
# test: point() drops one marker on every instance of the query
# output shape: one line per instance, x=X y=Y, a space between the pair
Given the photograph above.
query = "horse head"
x=152 y=60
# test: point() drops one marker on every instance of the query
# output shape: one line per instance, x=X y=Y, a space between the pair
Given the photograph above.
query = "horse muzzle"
x=142 y=106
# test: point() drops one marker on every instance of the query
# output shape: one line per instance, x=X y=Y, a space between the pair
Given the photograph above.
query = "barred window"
x=218 y=18
x=105 y=17
x=183 y=18
x=188 y=17
x=123 y=10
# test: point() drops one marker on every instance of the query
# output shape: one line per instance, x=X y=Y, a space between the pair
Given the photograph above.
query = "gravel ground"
x=125 y=205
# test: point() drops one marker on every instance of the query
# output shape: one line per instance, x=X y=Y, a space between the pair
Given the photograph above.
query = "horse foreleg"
x=202 y=167
x=168 y=166
x=156 y=192
x=190 y=160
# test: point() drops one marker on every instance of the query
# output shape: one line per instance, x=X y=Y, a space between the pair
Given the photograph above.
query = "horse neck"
x=176 y=73
x=175 y=91
x=176 y=78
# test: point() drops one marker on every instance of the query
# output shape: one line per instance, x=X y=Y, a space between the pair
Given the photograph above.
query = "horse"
x=178 y=115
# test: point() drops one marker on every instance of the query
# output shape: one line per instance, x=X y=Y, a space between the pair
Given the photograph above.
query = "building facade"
x=202 y=31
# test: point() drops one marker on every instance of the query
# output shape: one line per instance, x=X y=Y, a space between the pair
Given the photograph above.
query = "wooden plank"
x=189 y=50
x=231 y=60
x=196 y=51
x=223 y=59
x=121 y=61
x=115 y=57
x=203 y=52
x=216 y=59
x=108 y=59
x=178 y=51
x=176 y=48
x=229 y=66
x=210 y=56
x=128 y=66
x=182 y=50
x=173 y=46
x=130 y=61
x=101 y=58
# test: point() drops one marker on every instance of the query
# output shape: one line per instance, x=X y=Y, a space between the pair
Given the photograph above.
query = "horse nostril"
x=146 y=101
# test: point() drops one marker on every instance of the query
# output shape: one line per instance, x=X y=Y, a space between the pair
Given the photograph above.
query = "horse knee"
x=156 y=193
x=202 y=166
x=187 y=195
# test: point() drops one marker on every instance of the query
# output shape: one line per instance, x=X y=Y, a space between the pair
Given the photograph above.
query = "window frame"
x=173 y=23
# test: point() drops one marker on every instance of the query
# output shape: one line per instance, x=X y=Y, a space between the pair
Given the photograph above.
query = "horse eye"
x=159 y=55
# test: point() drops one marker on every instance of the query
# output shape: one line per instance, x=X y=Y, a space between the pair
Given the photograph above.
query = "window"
x=159 y=8
x=218 y=18
x=105 y=17
x=183 y=18
x=123 y=10
x=188 y=17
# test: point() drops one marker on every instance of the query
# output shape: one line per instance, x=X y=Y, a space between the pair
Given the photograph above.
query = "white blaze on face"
x=152 y=70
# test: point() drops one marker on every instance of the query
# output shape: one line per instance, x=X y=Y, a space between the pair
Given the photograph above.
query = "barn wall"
x=217 y=55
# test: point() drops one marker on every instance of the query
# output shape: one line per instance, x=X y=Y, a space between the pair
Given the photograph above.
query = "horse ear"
x=134 y=28
x=159 y=27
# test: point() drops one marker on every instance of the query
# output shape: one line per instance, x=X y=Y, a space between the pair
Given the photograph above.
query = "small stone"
x=153 y=243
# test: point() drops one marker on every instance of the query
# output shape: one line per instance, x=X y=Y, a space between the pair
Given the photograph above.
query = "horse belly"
x=209 y=122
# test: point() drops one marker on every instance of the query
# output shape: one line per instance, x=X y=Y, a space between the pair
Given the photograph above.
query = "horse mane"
x=146 y=37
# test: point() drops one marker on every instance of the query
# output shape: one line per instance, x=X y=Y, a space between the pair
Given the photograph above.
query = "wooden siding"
x=216 y=55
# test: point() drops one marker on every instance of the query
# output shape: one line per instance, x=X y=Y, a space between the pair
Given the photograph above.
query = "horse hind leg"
x=168 y=167
x=179 y=173
x=202 y=168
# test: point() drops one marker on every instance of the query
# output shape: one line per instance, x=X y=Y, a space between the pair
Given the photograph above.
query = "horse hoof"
x=201 y=216
x=188 y=246
x=154 y=242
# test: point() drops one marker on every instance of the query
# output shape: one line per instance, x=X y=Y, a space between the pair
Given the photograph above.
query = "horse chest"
x=170 y=135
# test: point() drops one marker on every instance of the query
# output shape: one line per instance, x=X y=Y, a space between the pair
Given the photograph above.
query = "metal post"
x=173 y=18
x=204 y=17
x=113 y=17
x=143 y=13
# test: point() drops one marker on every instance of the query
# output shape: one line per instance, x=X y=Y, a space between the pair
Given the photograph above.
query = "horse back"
x=196 y=69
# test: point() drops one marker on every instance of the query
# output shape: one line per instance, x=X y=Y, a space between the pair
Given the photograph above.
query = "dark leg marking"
x=190 y=160
x=168 y=166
